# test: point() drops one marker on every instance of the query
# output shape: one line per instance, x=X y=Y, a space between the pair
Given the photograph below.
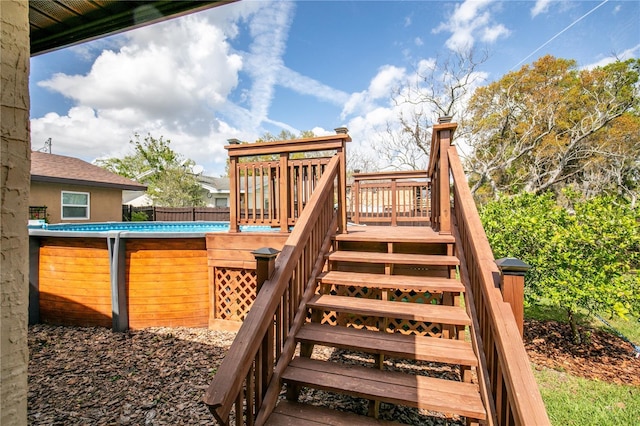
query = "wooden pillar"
x=512 y=286
x=444 y=203
x=265 y=265
x=342 y=180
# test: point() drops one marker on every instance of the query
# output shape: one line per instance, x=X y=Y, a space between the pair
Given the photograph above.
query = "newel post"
x=512 y=272
x=265 y=264
x=342 y=181
x=444 y=138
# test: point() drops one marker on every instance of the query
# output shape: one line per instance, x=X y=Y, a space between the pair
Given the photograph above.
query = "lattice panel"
x=235 y=292
x=414 y=327
x=415 y=297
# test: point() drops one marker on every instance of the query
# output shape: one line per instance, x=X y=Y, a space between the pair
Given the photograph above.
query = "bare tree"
x=437 y=87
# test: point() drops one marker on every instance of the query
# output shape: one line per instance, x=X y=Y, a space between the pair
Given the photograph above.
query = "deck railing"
x=249 y=376
x=506 y=380
x=390 y=198
x=275 y=192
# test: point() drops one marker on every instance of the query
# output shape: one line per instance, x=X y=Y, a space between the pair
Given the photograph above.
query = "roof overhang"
x=55 y=24
x=66 y=181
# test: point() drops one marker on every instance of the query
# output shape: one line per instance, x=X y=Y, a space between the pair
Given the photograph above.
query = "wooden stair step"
x=393 y=258
x=396 y=345
x=392 y=387
x=404 y=282
x=453 y=315
x=395 y=234
x=289 y=413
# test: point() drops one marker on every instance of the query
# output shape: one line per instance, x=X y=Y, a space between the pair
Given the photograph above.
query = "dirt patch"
x=605 y=356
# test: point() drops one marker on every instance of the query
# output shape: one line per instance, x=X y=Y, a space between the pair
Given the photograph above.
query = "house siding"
x=105 y=204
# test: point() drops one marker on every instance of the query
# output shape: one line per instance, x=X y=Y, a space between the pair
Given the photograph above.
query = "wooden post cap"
x=512 y=266
x=265 y=253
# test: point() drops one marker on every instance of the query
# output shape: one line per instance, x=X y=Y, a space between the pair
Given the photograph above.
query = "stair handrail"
x=249 y=364
x=507 y=362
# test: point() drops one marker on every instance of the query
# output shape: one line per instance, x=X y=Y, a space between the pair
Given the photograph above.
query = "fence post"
x=265 y=264
x=512 y=272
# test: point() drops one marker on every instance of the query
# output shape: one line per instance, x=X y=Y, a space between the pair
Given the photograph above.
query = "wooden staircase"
x=391 y=293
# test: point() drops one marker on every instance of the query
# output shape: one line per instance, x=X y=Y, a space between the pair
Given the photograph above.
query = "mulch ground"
x=604 y=356
x=158 y=376
x=92 y=376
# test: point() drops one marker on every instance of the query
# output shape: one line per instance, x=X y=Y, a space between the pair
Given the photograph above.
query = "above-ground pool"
x=162 y=228
x=144 y=274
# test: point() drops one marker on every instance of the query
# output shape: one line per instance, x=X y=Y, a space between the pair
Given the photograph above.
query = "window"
x=75 y=205
x=221 y=202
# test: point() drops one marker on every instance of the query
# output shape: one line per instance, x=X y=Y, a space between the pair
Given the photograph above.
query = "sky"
x=251 y=67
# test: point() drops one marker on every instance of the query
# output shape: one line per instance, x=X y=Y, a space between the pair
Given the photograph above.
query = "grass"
x=574 y=400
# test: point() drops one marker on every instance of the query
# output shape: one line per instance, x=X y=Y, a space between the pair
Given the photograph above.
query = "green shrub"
x=583 y=258
x=139 y=217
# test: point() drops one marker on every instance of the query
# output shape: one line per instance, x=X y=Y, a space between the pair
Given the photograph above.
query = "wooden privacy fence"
x=505 y=375
x=400 y=197
x=274 y=192
x=249 y=376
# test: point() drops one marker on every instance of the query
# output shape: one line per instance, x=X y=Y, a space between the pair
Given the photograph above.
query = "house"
x=67 y=189
x=215 y=193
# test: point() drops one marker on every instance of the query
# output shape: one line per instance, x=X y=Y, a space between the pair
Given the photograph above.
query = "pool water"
x=160 y=227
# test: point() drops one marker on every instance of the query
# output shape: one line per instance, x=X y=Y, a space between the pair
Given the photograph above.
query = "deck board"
x=393 y=258
x=394 y=234
x=288 y=413
x=397 y=345
x=388 y=386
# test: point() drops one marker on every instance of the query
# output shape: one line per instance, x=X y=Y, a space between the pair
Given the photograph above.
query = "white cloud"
x=493 y=33
x=308 y=86
x=469 y=20
x=418 y=41
x=632 y=52
x=382 y=86
x=541 y=6
x=269 y=29
x=173 y=79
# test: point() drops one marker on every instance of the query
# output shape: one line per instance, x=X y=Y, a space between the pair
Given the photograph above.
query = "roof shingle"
x=61 y=169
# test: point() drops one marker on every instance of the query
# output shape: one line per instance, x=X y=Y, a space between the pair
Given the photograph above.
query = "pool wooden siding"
x=232 y=268
x=167 y=283
x=75 y=286
x=161 y=282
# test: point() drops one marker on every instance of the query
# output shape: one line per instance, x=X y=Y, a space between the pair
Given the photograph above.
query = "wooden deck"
x=394 y=234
